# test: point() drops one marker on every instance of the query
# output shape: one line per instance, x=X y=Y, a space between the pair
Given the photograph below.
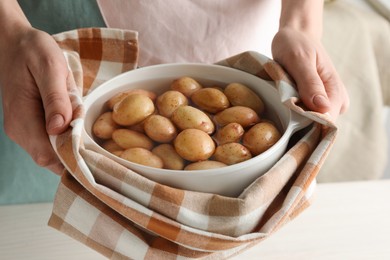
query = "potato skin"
x=186 y=85
x=111 y=146
x=261 y=137
x=211 y=100
x=244 y=116
x=142 y=156
x=230 y=133
x=120 y=96
x=170 y=157
x=169 y=101
x=186 y=117
x=104 y=126
x=127 y=138
x=241 y=95
x=231 y=153
x=160 y=129
x=204 y=165
x=194 y=145
x=132 y=110
x=139 y=127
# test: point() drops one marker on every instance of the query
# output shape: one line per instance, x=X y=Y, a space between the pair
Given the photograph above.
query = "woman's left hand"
x=307 y=62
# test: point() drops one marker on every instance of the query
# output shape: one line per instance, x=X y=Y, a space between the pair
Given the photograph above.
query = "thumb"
x=55 y=98
x=310 y=87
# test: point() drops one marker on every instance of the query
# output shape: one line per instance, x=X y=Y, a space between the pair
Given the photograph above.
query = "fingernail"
x=320 y=101
x=55 y=122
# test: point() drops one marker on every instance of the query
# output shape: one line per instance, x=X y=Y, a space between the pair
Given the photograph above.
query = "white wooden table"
x=346 y=221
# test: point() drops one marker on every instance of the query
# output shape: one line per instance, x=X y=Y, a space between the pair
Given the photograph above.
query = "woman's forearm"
x=12 y=20
x=303 y=15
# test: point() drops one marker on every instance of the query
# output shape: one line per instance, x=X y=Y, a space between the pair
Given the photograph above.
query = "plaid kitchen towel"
x=124 y=215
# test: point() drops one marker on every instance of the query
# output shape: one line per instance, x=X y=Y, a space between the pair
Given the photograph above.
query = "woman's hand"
x=305 y=59
x=33 y=74
x=297 y=47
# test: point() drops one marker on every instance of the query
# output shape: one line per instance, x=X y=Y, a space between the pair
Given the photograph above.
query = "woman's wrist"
x=302 y=15
x=13 y=22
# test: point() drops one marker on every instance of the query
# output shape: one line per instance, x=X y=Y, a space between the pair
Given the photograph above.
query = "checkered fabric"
x=124 y=215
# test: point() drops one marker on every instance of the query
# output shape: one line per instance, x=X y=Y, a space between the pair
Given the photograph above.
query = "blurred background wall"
x=387 y=122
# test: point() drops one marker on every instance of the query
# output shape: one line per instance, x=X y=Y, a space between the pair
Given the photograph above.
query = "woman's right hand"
x=317 y=80
x=297 y=47
x=33 y=74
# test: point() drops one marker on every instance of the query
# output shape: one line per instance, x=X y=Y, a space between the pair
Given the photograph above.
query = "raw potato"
x=126 y=138
x=186 y=85
x=160 y=129
x=117 y=153
x=194 y=145
x=244 y=116
x=132 y=110
x=260 y=137
x=229 y=133
x=120 y=96
x=210 y=99
x=240 y=95
x=168 y=154
x=169 y=101
x=173 y=130
x=138 y=127
x=111 y=146
x=204 y=165
x=104 y=126
x=216 y=87
x=186 y=117
x=142 y=156
x=231 y=153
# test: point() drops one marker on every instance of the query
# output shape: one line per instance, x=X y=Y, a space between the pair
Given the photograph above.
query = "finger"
x=340 y=101
x=56 y=102
x=53 y=89
x=31 y=135
x=335 y=89
x=310 y=86
x=42 y=152
x=57 y=168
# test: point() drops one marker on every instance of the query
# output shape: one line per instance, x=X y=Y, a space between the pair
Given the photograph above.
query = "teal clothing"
x=21 y=180
x=55 y=16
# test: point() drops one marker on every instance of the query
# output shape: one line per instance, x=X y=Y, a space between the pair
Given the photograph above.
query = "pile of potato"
x=188 y=127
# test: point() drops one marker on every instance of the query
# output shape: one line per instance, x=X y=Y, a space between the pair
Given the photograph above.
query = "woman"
x=33 y=70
